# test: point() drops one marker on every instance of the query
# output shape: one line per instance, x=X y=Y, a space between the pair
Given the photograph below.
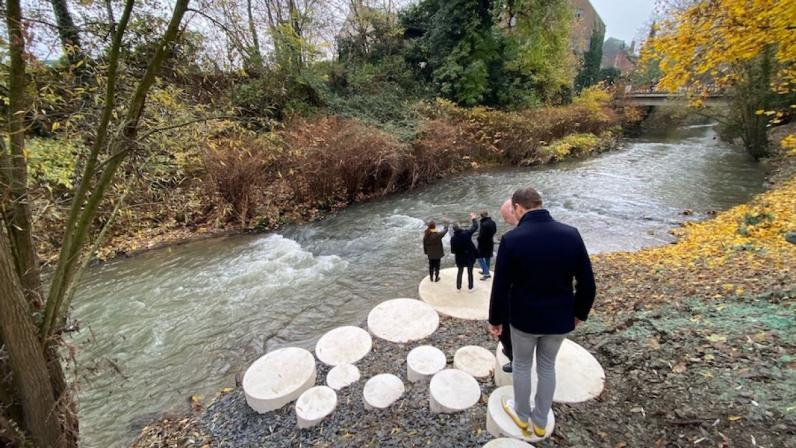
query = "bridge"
x=662 y=98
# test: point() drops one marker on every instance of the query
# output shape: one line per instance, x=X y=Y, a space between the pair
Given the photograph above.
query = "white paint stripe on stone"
x=477 y=361
x=579 y=376
x=278 y=378
x=402 y=320
x=342 y=376
x=505 y=442
x=423 y=362
x=314 y=405
x=442 y=295
x=382 y=390
x=453 y=390
x=499 y=424
x=343 y=345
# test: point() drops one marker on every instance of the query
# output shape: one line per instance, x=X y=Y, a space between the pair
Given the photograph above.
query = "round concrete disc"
x=382 y=390
x=505 y=442
x=442 y=295
x=343 y=345
x=342 y=376
x=423 y=362
x=477 y=361
x=315 y=404
x=579 y=377
x=453 y=390
x=278 y=378
x=499 y=424
x=402 y=320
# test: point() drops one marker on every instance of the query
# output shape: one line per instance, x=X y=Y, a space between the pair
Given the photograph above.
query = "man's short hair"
x=484 y=214
x=527 y=197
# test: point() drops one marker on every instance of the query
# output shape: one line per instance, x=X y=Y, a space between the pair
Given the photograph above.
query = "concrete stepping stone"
x=402 y=320
x=505 y=442
x=453 y=390
x=499 y=424
x=477 y=361
x=442 y=295
x=343 y=345
x=423 y=362
x=579 y=376
x=314 y=405
x=382 y=390
x=342 y=376
x=278 y=378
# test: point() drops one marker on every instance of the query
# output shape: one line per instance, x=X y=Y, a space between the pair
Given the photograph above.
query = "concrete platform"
x=505 y=442
x=343 y=345
x=403 y=320
x=278 y=378
x=477 y=361
x=579 y=376
x=453 y=390
x=314 y=405
x=423 y=362
x=342 y=376
x=499 y=424
x=446 y=300
x=381 y=391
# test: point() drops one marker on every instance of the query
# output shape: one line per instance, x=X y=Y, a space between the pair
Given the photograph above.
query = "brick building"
x=585 y=22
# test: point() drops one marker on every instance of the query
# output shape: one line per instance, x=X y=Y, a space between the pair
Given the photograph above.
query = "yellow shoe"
x=508 y=407
x=537 y=431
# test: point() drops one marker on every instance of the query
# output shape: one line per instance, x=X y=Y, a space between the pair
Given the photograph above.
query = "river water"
x=174 y=322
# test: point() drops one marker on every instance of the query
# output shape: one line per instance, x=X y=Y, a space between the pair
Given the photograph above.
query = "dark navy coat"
x=462 y=245
x=486 y=237
x=537 y=263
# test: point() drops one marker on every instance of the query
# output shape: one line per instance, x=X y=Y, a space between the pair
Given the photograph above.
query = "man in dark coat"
x=486 y=243
x=536 y=265
x=465 y=252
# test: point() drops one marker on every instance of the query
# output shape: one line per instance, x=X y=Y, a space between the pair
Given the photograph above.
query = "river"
x=173 y=322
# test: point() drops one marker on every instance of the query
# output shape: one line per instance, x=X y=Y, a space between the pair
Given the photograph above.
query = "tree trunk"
x=78 y=228
x=26 y=357
x=68 y=33
x=16 y=212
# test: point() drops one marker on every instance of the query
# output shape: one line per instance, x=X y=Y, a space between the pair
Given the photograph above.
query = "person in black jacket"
x=486 y=243
x=465 y=252
x=432 y=247
x=536 y=265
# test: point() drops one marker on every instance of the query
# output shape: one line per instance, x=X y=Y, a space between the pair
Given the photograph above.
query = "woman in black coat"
x=432 y=247
x=463 y=248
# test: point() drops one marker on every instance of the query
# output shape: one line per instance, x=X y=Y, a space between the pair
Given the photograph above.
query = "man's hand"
x=577 y=322
x=472 y=215
x=495 y=330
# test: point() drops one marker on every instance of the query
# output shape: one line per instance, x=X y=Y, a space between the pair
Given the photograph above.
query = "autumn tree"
x=589 y=73
x=37 y=406
x=744 y=49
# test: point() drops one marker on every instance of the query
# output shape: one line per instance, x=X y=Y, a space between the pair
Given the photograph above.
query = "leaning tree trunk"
x=28 y=365
x=16 y=212
x=68 y=33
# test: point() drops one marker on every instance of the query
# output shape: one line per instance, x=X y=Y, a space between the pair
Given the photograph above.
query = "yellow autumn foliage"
x=711 y=37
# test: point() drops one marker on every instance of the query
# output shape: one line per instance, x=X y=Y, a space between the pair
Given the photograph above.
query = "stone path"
x=446 y=300
x=289 y=374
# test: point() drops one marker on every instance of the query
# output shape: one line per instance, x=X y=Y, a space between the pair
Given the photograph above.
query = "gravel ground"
x=408 y=422
x=693 y=373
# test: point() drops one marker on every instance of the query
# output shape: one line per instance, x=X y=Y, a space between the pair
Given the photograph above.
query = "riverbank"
x=697 y=340
x=230 y=181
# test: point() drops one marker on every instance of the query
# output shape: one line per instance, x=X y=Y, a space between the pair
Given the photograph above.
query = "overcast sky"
x=623 y=18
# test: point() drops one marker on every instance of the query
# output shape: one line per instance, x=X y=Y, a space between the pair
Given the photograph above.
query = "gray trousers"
x=546 y=351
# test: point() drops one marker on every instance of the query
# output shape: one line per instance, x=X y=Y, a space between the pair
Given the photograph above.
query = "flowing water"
x=174 y=322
